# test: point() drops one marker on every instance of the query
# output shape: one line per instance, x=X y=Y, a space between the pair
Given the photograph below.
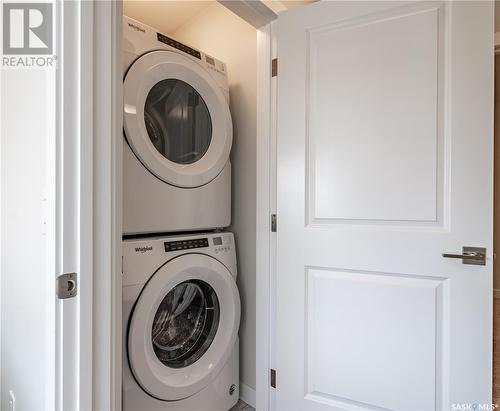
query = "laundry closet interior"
x=184 y=210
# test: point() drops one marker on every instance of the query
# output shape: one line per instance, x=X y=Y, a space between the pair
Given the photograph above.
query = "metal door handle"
x=470 y=255
x=465 y=256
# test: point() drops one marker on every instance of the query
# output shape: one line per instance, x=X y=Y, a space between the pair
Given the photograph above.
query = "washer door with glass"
x=183 y=327
x=176 y=119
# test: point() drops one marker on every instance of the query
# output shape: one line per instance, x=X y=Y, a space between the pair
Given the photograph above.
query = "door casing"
x=266 y=189
x=89 y=164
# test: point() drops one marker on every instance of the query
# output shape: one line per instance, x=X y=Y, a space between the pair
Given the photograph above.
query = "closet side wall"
x=220 y=33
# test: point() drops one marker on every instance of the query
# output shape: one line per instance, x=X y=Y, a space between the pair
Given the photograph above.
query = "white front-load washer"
x=178 y=135
x=181 y=314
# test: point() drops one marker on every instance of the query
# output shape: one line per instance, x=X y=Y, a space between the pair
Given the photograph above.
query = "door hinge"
x=274 y=67
x=274 y=223
x=273 y=378
x=66 y=286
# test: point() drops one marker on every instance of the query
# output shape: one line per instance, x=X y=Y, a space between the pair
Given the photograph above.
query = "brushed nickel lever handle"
x=470 y=255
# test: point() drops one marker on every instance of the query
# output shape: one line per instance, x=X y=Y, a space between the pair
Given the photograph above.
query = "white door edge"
x=74 y=204
x=266 y=205
x=108 y=145
x=89 y=140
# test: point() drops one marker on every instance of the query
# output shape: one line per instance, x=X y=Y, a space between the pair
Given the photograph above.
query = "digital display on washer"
x=186 y=244
x=210 y=60
x=178 y=45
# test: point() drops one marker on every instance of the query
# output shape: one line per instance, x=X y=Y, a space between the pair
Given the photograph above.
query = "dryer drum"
x=185 y=323
x=178 y=121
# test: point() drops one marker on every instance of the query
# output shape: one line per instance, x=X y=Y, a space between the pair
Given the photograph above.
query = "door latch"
x=274 y=223
x=66 y=286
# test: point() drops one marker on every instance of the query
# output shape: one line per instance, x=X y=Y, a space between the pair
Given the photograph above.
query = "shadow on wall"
x=243 y=159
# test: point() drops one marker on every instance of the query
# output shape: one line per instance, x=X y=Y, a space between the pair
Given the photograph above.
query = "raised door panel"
x=373 y=340
x=374 y=125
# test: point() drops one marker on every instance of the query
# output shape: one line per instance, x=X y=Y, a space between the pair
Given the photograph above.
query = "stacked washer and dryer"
x=181 y=306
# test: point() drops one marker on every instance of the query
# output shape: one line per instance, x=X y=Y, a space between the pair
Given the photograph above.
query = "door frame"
x=266 y=189
x=73 y=206
x=88 y=209
x=106 y=106
x=107 y=246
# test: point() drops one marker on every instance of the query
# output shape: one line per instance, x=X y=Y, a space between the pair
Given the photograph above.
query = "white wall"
x=225 y=36
x=26 y=276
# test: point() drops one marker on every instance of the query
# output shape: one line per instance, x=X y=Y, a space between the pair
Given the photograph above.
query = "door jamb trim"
x=265 y=206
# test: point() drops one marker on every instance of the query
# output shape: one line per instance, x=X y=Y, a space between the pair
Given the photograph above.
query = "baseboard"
x=247 y=394
x=496 y=293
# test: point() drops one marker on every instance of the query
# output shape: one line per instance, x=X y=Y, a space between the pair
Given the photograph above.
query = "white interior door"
x=384 y=163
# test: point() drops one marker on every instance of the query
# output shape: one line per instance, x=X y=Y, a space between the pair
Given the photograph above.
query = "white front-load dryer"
x=178 y=135
x=181 y=314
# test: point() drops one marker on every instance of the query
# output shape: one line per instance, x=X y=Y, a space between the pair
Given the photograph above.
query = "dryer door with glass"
x=183 y=327
x=176 y=119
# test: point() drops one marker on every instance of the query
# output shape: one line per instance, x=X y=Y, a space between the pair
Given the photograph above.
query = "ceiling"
x=165 y=16
x=169 y=15
x=290 y=4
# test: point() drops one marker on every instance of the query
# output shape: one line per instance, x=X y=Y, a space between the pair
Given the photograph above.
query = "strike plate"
x=66 y=286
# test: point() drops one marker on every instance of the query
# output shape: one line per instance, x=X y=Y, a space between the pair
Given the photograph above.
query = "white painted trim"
x=254 y=12
x=89 y=144
x=74 y=199
x=265 y=206
x=247 y=394
x=273 y=190
x=275 y=5
x=108 y=141
x=86 y=229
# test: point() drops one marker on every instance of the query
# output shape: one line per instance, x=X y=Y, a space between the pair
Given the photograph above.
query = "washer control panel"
x=143 y=256
x=186 y=244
